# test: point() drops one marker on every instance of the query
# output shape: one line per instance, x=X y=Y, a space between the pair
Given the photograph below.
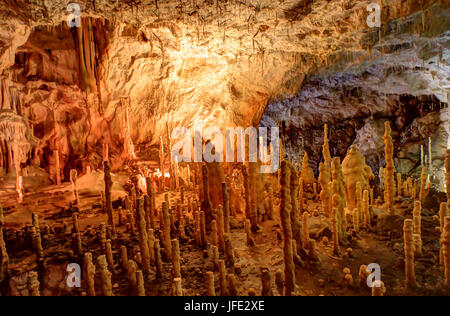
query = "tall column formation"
x=335 y=226
x=409 y=254
x=446 y=252
x=73 y=179
x=108 y=198
x=33 y=284
x=143 y=238
x=285 y=214
x=389 y=172
x=366 y=212
x=176 y=258
x=220 y=228
x=4 y=258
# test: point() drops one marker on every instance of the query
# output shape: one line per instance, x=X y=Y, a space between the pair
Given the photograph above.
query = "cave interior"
x=350 y=168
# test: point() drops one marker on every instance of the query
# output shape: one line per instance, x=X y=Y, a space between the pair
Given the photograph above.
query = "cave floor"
x=325 y=277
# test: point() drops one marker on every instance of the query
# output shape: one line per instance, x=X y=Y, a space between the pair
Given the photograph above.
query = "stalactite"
x=128 y=142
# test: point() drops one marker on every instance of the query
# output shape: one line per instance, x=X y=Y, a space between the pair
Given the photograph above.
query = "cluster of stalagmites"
x=347 y=201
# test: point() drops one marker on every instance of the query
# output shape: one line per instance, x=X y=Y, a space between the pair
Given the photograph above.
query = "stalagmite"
x=215 y=257
x=143 y=238
x=445 y=244
x=353 y=169
x=366 y=212
x=89 y=273
x=399 y=185
x=37 y=242
x=109 y=256
x=306 y=239
x=247 y=198
x=248 y=232
x=158 y=261
x=4 y=258
x=226 y=207
x=220 y=228
x=447 y=175
x=177 y=289
x=325 y=195
x=176 y=258
x=33 y=284
x=214 y=234
x=108 y=198
x=335 y=228
x=417 y=214
x=423 y=184
x=279 y=281
x=73 y=179
x=210 y=283
x=409 y=254
x=379 y=289
x=232 y=288
x=266 y=282
x=57 y=167
x=77 y=244
x=102 y=237
x=204 y=240
x=166 y=231
x=285 y=214
x=389 y=172
x=140 y=283
x=229 y=253
x=105 y=276
x=443 y=213
x=307 y=174
x=222 y=278
x=123 y=258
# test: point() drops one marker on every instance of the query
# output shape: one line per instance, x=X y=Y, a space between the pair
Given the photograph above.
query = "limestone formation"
x=33 y=284
x=105 y=276
x=285 y=210
x=4 y=258
x=445 y=244
x=306 y=173
x=143 y=238
x=417 y=215
x=89 y=273
x=73 y=179
x=176 y=258
x=166 y=230
x=389 y=189
x=210 y=283
x=443 y=213
x=408 y=230
x=108 y=198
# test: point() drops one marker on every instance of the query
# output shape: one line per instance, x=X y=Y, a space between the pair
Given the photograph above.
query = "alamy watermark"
x=374 y=278
x=74 y=18
x=208 y=145
x=374 y=18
